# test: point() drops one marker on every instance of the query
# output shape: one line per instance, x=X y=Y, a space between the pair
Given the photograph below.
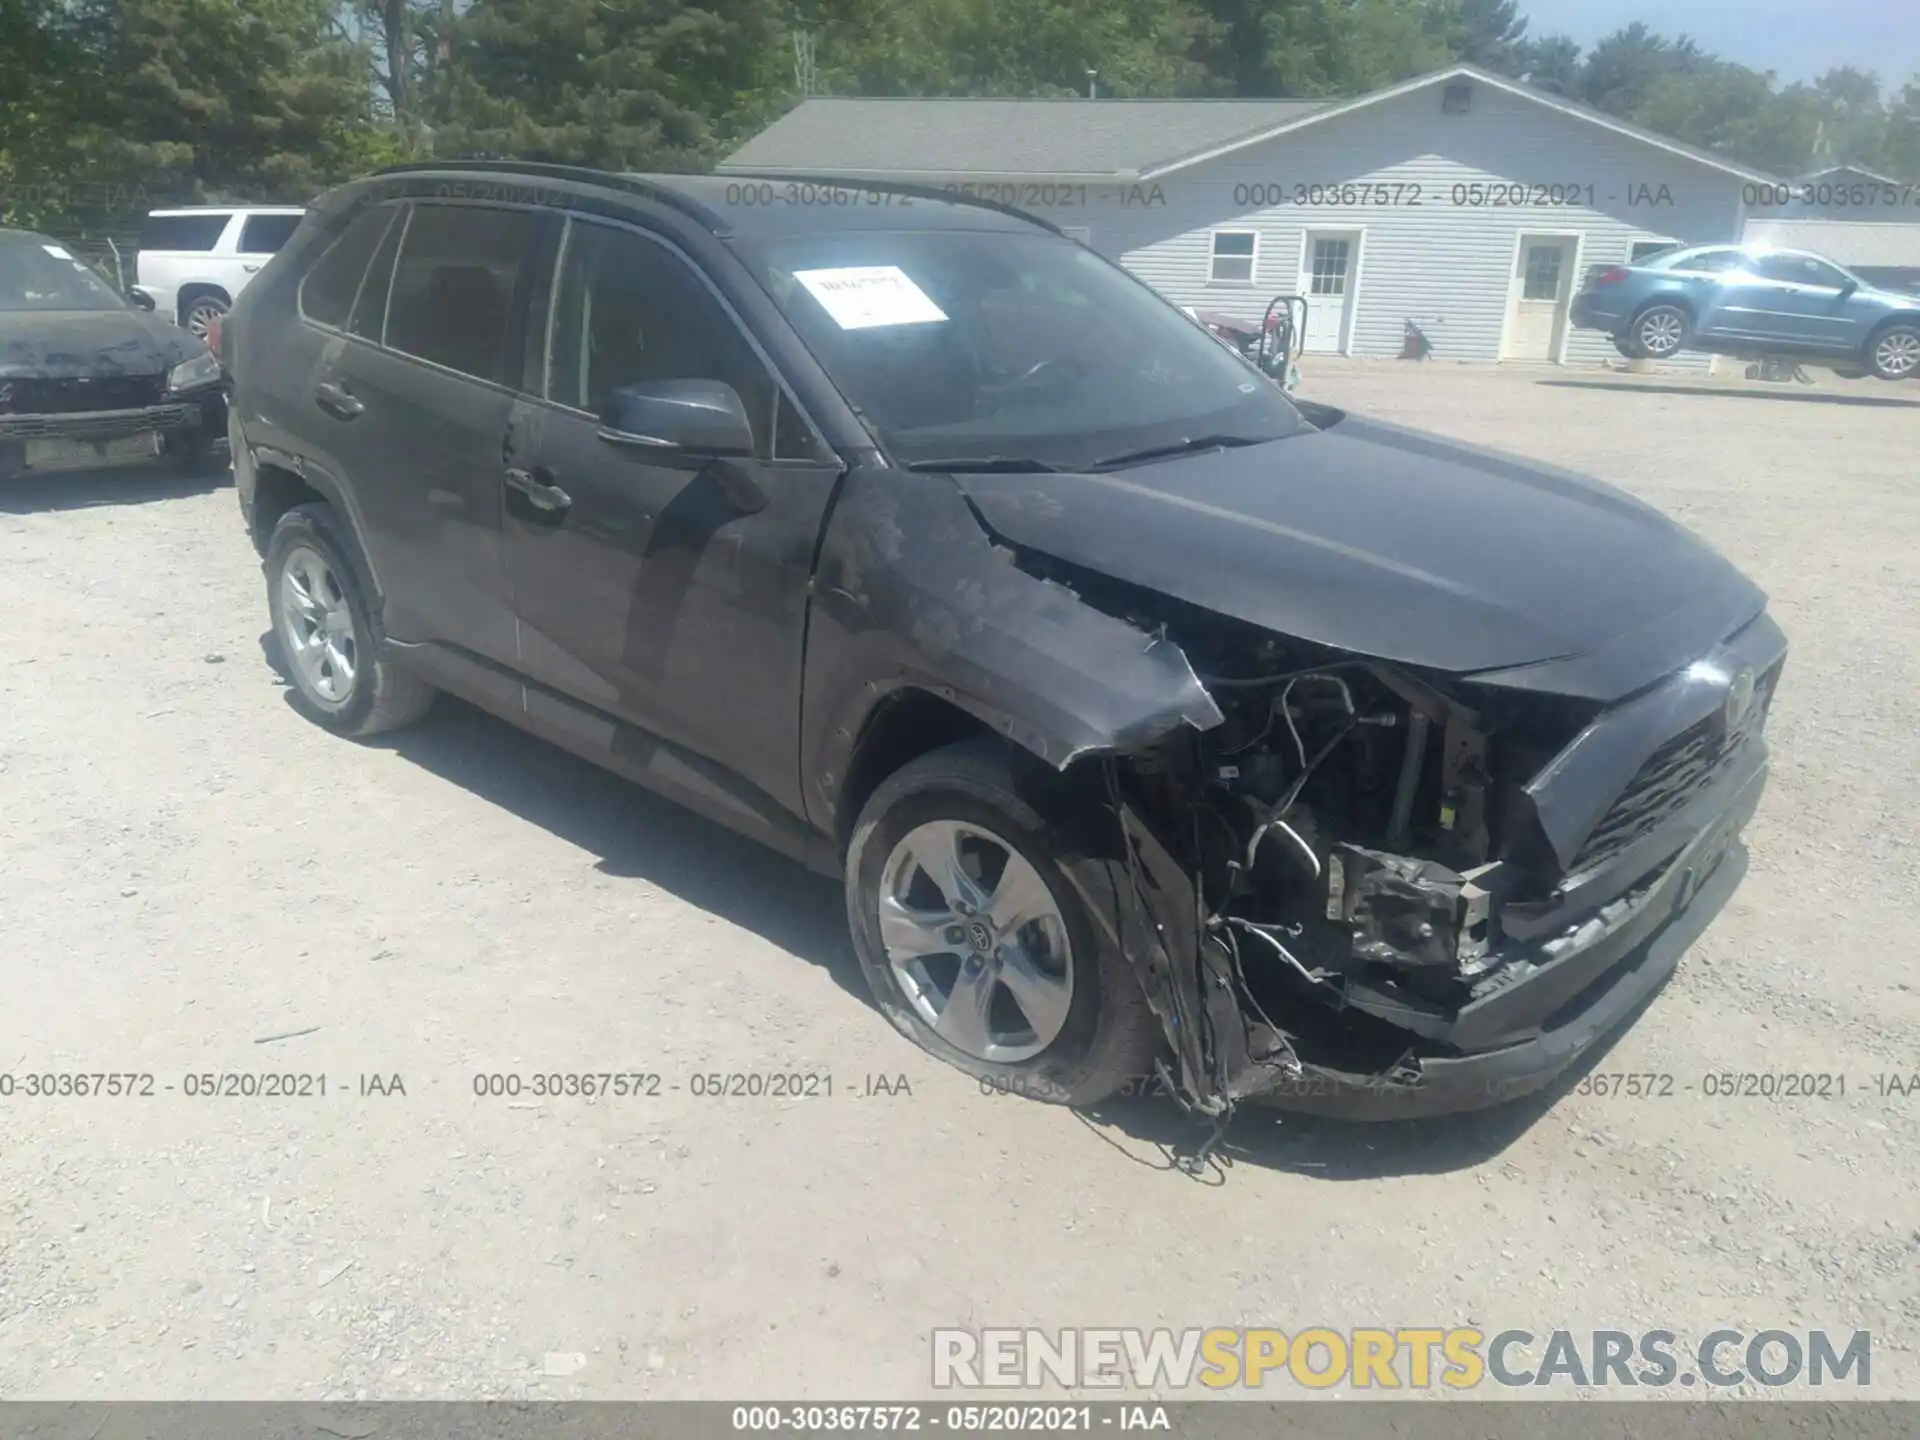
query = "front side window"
x=454 y=287
x=1799 y=270
x=629 y=311
x=1012 y=344
x=1232 y=256
x=38 y=274
x=326 y=294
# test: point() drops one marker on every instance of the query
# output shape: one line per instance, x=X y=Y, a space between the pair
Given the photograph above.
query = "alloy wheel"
x=1661 y=331
x=976 y=941
x=1897 y=354
x=316 y=627
x=200 y=316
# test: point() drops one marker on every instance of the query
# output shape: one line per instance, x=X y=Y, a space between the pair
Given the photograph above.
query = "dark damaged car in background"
x=1157 y=724
x=91 y=379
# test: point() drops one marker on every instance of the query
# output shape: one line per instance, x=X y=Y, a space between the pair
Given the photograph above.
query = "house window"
x=1456 y=100
x=1329 y=273
x=1542 y=277
x=1233 y=257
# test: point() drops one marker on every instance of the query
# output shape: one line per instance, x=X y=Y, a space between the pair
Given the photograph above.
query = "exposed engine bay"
x=1348 y=836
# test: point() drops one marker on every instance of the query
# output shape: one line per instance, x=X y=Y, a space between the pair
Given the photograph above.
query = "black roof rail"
x=922 y=192
x=580 y=174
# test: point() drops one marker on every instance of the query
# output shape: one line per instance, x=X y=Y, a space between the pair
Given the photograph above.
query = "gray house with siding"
x=1461 y=202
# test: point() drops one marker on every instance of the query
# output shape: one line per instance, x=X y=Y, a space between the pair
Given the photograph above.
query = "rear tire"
x=1659 y=332
x=1893 y=352
x=198 y=312
x=334 y=650
x=1103 y=1034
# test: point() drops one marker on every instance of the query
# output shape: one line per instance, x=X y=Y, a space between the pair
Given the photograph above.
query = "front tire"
x=1659 y=332
x=1894 y=352
x=334 y=651
x=976 y=945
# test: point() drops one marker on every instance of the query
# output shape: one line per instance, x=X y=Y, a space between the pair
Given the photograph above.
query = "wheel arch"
x=901 y=727
x=283 y=482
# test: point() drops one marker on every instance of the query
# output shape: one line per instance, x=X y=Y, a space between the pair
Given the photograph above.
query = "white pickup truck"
x=195 y=262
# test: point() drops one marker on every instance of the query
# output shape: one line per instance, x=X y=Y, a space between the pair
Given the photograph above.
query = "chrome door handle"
x=545 y=496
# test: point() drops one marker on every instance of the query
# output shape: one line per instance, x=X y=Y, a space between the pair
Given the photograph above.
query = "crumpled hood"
x=63 y=344
x=1388 y=542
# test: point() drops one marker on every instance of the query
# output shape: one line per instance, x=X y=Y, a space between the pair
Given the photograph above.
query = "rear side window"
x=454 y=286
x=1708 y=262
x=326 y=295
x=265 y=234
x=183 y=232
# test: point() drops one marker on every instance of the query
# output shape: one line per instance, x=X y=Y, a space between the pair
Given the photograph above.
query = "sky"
x=1797 y=39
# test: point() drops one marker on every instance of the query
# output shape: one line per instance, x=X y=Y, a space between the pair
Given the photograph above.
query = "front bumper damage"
x=192 y=421
x=1558 y=974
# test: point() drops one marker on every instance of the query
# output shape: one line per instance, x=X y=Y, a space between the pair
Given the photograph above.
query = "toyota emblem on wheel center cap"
x=981 y=936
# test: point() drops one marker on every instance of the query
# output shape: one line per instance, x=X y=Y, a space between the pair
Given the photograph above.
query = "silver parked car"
x=1753 y=302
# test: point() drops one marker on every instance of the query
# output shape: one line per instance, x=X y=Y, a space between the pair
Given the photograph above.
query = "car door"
x=1728 y=301
x=1809 y=299
x=650 y=593
x=418 y=400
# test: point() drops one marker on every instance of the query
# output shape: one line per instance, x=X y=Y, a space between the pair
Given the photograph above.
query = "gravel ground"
x=188 y=869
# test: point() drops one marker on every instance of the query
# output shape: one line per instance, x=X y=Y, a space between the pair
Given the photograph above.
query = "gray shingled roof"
x=938 y=137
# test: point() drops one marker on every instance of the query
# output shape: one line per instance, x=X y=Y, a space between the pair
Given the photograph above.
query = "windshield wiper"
x=990 y=465
x=1167 y=452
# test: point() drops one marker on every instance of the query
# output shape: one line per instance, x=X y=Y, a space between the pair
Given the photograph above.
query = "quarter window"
x=1710 y=262
x=370 y=310
x=326 y=295
x=628 y=311
x=454 y=287
x=1233 y=254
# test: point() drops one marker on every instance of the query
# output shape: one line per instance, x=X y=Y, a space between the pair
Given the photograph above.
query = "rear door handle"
x=250 y=266
x=545 y=496
x=337 y=401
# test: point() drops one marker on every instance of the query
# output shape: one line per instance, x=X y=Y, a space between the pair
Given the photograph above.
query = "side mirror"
x=1847 y=287
x=677 y=421
x=693 y=417
x=140 y=299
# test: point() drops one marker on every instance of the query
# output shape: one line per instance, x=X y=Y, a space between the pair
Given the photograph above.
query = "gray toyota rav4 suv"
x=1159 y=725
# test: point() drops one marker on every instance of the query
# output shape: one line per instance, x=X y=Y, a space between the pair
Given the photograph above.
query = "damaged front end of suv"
x=1347 y=880
x=1374 y=893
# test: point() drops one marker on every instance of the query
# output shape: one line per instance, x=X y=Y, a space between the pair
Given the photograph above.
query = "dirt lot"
x=187 y=869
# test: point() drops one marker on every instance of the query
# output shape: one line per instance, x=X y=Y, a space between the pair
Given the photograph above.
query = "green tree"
x=1488 y=33
x=261 y=101
x=626 y=84
x=1553 y=63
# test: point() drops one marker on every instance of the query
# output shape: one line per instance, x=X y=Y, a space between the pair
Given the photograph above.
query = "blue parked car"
x=1754 y=303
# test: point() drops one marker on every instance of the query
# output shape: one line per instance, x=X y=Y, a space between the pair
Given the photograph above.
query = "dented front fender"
x=911 y=593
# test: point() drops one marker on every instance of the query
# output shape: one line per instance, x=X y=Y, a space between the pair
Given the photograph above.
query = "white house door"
x=1542 y=280
x=1327 y=282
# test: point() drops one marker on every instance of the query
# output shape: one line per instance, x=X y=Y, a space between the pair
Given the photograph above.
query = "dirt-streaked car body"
x=1154 y=721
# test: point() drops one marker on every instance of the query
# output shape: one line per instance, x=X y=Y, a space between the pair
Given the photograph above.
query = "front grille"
x=103 y=425
x=35 y=396
x=1672 y=776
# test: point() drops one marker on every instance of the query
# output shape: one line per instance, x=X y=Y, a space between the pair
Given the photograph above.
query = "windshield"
x=961 y=344
x=41 y=275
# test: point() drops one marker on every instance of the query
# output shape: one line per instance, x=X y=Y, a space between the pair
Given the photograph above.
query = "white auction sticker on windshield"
x=860 y=297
